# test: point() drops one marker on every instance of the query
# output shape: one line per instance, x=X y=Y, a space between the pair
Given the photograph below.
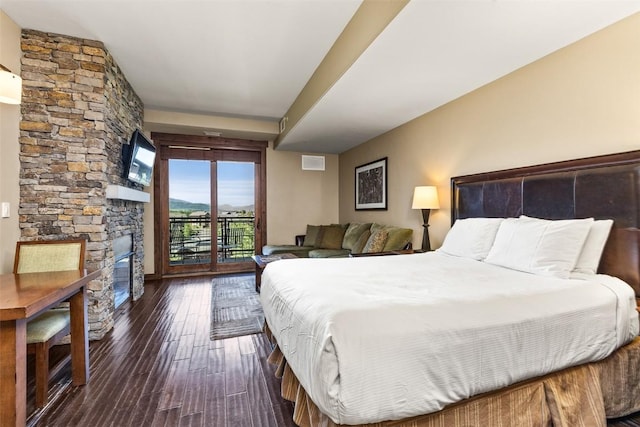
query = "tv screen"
x=138 y=162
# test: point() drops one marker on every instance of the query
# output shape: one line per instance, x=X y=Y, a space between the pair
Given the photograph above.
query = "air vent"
x=312 y=163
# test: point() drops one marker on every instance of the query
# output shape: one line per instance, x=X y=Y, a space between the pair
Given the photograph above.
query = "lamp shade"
x=425 y=197
x=10 y=88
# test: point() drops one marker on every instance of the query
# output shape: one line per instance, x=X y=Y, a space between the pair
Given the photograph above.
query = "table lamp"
x=425 y=197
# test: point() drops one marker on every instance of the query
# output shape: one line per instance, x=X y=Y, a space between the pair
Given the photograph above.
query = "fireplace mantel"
x=125 y=193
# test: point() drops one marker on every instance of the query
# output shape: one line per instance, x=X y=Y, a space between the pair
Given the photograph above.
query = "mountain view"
x=183 y=205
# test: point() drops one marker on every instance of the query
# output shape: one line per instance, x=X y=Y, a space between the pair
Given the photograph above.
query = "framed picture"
x=371 y=185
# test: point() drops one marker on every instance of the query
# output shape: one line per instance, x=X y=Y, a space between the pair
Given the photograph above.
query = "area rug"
x=235 y=307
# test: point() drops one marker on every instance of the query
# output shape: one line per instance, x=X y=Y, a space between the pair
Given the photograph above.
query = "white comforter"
x=383 y=338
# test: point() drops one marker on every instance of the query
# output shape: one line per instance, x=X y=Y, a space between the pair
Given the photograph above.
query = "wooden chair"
x=52 y=325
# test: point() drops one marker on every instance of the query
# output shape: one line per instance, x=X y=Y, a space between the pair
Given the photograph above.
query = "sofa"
x=343 y=240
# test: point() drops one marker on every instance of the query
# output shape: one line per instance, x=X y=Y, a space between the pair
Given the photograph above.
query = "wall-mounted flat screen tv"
x=138 y=158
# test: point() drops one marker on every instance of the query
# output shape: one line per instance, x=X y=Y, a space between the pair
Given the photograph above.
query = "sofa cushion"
x=328 y=253
x=353 y=233
x=299 y=251
x=358 y=247
x=331 y=236
x=376 y=242
x=398 y=237
x=312 y=236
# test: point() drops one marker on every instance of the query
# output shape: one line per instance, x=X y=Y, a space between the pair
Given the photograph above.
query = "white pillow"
x=471 y=237
x=544 y=247
x=589 y=258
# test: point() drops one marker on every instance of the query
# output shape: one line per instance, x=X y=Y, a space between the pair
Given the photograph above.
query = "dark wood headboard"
x=600 y=187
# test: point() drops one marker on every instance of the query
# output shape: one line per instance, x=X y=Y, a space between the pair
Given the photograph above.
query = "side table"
x=262 y=261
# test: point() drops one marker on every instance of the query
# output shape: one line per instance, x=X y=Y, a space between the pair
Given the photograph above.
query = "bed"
x=481 y=344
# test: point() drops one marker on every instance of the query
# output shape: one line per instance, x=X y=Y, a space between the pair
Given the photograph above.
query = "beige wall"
x=9 y=147
x=581 y=101
x=296 y=198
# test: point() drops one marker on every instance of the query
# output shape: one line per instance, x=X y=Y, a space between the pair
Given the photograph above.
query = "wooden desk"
x=22 y=297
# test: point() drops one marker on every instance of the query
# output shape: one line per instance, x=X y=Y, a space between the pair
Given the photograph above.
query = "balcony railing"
x=190 y=239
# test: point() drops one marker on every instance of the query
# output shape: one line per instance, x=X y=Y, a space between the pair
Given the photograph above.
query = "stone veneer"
x=77 y=111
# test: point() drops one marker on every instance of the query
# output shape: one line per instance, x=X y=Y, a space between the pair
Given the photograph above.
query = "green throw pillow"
x=331 y=236
x=398 y=238
x=353 y=234
x=311 y=238
x=358 y=247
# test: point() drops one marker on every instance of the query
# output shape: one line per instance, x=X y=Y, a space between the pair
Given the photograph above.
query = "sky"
x=190 y=180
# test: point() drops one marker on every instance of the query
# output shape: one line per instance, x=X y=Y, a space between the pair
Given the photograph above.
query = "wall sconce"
x=425 y=198
x=10 y=86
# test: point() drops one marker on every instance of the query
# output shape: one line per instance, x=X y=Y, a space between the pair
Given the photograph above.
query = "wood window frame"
x=194 y=147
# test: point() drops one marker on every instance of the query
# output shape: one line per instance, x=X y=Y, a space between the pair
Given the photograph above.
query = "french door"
x=210 y=196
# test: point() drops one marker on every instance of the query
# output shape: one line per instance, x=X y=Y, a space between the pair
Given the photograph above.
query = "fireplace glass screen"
x=122 y=280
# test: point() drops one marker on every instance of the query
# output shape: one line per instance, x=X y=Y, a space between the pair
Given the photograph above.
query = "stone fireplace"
x=77 y=110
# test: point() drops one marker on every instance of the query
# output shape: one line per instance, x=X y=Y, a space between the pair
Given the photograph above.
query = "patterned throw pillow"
x=376 y=242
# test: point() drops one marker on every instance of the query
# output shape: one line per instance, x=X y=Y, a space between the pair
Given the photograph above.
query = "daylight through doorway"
x=189 y=212
x=209 y=204
x=211 y=213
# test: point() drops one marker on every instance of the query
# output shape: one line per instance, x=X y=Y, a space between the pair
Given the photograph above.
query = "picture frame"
x=371 y=185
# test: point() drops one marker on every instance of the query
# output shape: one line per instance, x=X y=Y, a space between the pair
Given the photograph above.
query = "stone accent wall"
x=77 y=111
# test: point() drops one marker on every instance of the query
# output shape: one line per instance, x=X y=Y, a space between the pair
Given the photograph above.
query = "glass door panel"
x=190 y=213
x=235 y=211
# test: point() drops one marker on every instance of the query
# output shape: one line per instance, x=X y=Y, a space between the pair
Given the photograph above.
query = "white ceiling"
x=251 y=58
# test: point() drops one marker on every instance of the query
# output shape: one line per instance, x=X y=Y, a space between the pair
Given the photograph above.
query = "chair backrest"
x=49 y=255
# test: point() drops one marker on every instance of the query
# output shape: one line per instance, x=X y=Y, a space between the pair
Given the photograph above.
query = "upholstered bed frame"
x=600 y=187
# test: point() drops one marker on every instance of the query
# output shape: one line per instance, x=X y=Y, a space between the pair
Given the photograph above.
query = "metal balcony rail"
x=190 y=239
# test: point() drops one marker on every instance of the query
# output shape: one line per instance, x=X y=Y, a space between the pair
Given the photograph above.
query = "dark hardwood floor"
x=158 y=367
